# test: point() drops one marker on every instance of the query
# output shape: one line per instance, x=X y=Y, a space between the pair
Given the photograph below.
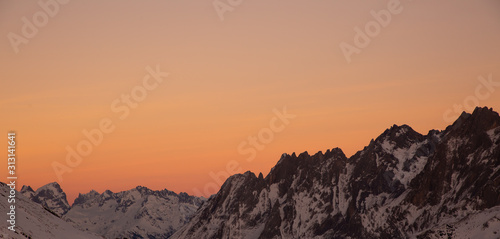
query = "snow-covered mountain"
x=50 y=196
x=33 y=221
x=445 y=184
x=136 y=213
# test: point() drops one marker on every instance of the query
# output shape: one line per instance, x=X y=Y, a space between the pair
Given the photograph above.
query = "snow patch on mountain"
x=494 y=134
x=484 y=224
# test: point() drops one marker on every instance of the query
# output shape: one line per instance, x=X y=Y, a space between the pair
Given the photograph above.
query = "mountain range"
x=34 y=221
x=136 y=213
x=403 y=184
x=445 y=184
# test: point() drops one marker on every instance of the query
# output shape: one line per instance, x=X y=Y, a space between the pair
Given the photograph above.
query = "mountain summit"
x=50 y=196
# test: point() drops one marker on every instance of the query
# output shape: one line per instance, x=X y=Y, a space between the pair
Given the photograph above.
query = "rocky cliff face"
x=402 y=185
x=50 y=196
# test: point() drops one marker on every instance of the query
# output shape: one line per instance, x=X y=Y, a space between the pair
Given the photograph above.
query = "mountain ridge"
x=35 y=221
x=136 y=213
x=402 y=184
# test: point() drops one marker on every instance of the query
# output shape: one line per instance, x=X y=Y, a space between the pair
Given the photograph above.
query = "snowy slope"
x=478 y=224
x=33 y=221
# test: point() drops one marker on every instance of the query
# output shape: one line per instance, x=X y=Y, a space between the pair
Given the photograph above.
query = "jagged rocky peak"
x=107 y=193
x=50 y=188
x=399 y=136
x=50 y=196
x=27 y=191
x=292 y=163
x=143 y=190
x=482 y=119
x=92 y=193
x=186 y=198
x=333 y=153
x=86 y=197
x=469 y=157
x=248 y=175
x=241 y=184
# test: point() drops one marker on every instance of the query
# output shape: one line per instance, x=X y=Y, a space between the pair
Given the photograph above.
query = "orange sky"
x=226 y=78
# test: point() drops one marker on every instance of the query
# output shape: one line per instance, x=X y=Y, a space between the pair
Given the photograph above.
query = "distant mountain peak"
x=398 y=137
x=294 y=159
x=485 y=112
x=26 y=189
x=397 y=131
x=52 y=184
x=482 y=119
x=485 y=117
x=50 y=196
x=54 y=187
x=291 y=163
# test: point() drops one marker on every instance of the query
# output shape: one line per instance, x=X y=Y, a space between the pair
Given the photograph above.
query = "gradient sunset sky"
x=227 y=77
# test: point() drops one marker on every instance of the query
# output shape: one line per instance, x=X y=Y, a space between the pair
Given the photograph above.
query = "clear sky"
x=230 y=71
